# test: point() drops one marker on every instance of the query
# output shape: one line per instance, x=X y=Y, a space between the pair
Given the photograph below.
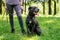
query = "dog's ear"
x=29 y=8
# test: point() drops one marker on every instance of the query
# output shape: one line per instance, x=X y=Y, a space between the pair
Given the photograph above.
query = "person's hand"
x=5 y=7
x=22 y=8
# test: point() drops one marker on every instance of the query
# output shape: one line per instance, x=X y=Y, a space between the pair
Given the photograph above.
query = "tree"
x=57 y=1
x=43 y=3
x=54 y=7
x=0 y=6
x=44 y=7
x=49 y=7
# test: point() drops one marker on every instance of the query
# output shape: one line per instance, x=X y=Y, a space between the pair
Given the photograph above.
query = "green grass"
x=50 y=27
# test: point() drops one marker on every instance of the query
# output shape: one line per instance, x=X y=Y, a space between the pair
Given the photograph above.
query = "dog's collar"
x=32 y=17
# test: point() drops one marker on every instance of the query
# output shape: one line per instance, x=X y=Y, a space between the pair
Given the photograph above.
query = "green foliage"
x=40 y=6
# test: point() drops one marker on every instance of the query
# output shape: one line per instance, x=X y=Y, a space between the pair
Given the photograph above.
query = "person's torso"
x=12 y=2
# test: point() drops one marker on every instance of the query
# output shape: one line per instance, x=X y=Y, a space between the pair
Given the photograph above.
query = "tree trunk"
x=0 y=6
x=25 y=6
x=43 y=8
x=57 y=1
x=22 y=9
x=49 y=7
x=54 y=7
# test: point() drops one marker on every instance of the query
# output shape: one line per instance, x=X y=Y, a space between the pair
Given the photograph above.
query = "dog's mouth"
x=35 y=13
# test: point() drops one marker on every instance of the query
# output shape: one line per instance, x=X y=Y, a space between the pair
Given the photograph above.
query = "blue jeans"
x=18 y=12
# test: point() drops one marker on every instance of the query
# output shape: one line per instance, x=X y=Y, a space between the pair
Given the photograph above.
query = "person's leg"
x=10 y=11
x=18 y=12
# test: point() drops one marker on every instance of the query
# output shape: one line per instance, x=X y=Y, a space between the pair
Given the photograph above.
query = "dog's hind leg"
x=38 y=30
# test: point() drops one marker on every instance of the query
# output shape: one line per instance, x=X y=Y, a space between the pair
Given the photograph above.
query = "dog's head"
x=33 y=10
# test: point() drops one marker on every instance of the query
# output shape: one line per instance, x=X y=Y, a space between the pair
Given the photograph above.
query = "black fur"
x=31 y=22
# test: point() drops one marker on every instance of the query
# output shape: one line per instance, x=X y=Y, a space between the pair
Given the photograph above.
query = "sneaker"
x=12 y=31
x=23 y=32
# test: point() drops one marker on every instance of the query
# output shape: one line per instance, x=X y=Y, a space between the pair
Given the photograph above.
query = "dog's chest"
x=30 y=20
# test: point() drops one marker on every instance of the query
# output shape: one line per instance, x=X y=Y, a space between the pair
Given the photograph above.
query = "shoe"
x=23 y=32
x=12 y=31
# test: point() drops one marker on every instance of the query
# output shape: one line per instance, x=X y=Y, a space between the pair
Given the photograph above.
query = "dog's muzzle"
x=36 y=10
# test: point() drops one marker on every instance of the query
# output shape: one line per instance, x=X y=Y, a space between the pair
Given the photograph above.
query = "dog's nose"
x=36 y=10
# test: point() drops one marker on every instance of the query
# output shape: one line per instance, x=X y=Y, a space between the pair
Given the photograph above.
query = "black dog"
x=31 y=22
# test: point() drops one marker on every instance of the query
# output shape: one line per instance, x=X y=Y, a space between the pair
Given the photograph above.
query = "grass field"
x=50 y=27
